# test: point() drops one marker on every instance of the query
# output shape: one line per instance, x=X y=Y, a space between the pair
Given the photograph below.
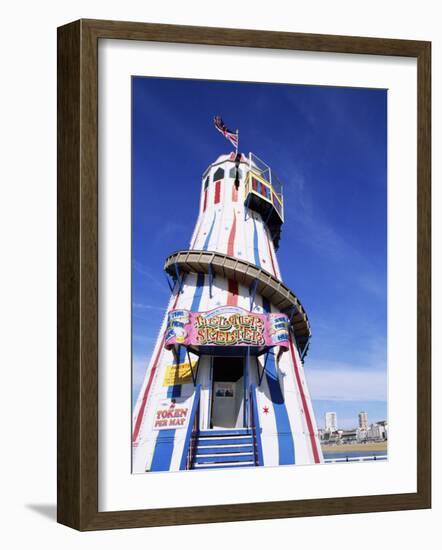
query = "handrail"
x=192 y=432
x=265 y=183
x=256 y=427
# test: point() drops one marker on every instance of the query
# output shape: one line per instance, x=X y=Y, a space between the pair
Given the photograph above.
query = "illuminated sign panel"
x=226 y=326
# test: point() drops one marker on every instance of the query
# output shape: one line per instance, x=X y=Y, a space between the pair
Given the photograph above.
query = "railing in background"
x=192 y=432
x=256 y=428
x=355 y=459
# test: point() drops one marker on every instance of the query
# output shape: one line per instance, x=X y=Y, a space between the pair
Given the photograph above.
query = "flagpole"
x=237 y=140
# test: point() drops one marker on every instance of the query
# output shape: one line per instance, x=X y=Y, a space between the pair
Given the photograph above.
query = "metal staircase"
x=224 y=449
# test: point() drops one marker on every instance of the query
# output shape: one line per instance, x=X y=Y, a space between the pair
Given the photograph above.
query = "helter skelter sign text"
x=226 y=326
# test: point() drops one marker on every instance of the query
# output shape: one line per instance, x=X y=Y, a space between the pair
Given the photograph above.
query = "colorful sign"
x=226 y=326
x=178 y=374
x=170 y=414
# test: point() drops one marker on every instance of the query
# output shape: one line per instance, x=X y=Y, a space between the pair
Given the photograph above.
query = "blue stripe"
x=198 y=292
x=163 y=451
x=285 y=439
x=255 y=244
x=209 y=234
x=175 y=391
x=162 y=456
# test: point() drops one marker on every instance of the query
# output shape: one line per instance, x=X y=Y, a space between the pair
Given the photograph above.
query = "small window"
x=206 y=183
x=218 y=175
x=217 y=192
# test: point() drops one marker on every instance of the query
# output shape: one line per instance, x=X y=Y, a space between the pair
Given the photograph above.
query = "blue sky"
x=329 y=147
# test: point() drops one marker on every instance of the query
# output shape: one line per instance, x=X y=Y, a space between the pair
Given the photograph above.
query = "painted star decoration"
x=265 y=410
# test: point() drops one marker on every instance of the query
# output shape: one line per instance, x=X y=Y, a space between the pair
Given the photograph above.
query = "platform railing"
x=192 y=434
x=272 y=189
x=255 y=426
x=258 y=185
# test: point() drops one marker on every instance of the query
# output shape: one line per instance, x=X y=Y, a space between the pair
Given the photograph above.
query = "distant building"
x=363 y=420
x=349 y=436
x=384 y=423
x=330 y=438
x=331 y=422
x=377 y=432
x=361 y=435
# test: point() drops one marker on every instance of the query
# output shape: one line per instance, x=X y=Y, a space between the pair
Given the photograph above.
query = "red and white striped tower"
x=225 y=386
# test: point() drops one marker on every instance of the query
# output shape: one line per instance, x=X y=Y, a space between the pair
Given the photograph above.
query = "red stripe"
x=149 y=384
x=270 y=252
x=304 y=405
x=234 y=193
x=205 y=200
x=231 y=243
x=232 y=298
x=146 y=393
x=217 y=191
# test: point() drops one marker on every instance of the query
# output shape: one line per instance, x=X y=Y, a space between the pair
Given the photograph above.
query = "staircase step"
x=215 y=465
x=220 y=456
x=215 y=441
x=224 y=458
x=224 y=449
x=214 y=433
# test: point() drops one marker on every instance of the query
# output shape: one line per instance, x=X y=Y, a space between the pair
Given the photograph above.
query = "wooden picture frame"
x=78 y=274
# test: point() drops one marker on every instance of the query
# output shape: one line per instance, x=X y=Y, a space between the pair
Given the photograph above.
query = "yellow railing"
x=264 y=190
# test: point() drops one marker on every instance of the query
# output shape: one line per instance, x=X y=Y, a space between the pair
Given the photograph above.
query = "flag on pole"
x=228 y=134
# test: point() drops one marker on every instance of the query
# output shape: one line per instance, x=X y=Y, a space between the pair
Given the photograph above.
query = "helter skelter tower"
x=225 y=386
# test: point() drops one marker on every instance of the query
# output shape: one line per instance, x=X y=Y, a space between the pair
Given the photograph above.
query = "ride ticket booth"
x=227 y=408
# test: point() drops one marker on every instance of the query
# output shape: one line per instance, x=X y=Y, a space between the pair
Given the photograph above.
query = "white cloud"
x=137 y=305
x=342 y=382
x=142 y=269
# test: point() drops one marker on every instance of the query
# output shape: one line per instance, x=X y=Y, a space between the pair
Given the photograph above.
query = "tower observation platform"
x=225 y=386
x=263 y=194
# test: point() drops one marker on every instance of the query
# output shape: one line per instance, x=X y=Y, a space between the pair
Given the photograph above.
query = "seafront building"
x=331 y=422
x=362 y=434
x=377 y=432
x=363 y=420
x=225 y=386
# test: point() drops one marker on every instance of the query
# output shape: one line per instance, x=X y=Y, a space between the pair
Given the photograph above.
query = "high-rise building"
x=225 y=386
x=363 y=420
x=331 y=422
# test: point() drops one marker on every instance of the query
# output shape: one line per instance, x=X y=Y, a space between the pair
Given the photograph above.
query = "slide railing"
x=255 y=426
x=192 y=434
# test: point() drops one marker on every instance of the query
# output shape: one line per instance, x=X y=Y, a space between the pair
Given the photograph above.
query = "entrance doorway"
x=228 y=393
